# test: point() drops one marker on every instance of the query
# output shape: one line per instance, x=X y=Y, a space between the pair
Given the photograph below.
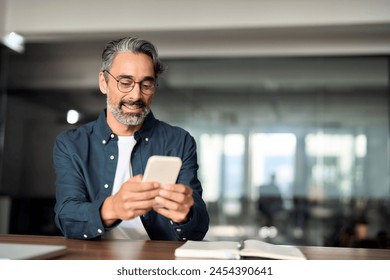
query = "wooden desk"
x=164 y=250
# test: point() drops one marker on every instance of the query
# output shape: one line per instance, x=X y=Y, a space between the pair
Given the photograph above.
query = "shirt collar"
x=146 y=130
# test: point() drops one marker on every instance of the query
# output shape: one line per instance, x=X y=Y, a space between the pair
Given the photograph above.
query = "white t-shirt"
x=130 y=229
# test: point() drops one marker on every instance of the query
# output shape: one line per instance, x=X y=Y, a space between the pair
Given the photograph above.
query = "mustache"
x=137 y=103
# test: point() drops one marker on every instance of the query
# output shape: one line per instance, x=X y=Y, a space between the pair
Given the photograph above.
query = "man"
x=99 y=166
x=270 y=201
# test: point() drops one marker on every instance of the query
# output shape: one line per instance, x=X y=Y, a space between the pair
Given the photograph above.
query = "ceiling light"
x=14 y=41
x=72 y=116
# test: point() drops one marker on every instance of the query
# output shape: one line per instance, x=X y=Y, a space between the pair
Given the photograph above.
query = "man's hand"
x=174 y=202
x=133 y=199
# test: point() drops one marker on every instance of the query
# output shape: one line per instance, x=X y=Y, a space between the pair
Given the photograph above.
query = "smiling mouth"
x=132 y=107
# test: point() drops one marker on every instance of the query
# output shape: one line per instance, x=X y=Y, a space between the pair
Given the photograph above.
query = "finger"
x=173 y=196
x=179 y=188
x=176 y=216
x=173 y=205
x=139 y=205
x=133 y=209
x=124 y=214
x=140 y=186
x=133 y=214
x=179 y=197
x=165 y=203
x=126 y=195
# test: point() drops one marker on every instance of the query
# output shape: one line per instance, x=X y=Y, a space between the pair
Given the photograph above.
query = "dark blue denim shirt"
x=85 y=161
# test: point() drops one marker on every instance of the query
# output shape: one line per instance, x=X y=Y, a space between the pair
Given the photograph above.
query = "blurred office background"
x=294 y=92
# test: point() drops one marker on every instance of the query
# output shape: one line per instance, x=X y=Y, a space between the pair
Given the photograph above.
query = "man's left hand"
x=174 y=202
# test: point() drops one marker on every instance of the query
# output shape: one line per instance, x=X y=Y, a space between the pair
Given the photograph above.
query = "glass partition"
x=291 y=150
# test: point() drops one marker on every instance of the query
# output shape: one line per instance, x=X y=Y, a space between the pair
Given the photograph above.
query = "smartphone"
x=162 y=169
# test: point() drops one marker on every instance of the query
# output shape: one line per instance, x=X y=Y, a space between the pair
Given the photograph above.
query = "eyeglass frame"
x=140 y=84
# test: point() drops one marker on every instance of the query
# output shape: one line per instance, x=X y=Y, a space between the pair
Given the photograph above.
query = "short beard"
x=129 y=118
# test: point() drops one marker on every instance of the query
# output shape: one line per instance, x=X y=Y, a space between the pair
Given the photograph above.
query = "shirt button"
x=112 y=135
x=104 y=142
x=106 y=186
x=85 y=236
x=112 y=157
x=146 y=139
x=178 y=230
x=171 y=222
x=184 y=239
x=99 y=230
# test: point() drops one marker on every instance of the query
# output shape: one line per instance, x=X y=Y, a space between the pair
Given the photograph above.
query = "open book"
x=237 y=250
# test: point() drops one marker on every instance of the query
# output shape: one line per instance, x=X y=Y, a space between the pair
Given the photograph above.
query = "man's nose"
x=136 y=91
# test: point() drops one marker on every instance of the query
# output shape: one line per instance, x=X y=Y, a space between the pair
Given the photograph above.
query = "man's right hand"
x=133 y=199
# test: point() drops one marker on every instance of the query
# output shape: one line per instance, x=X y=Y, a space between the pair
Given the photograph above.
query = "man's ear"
x=102 y=83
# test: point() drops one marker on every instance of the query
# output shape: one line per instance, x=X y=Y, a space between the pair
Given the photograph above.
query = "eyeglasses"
x=125 y=85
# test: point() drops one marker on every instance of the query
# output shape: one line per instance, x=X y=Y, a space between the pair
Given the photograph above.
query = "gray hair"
x=134 y=45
